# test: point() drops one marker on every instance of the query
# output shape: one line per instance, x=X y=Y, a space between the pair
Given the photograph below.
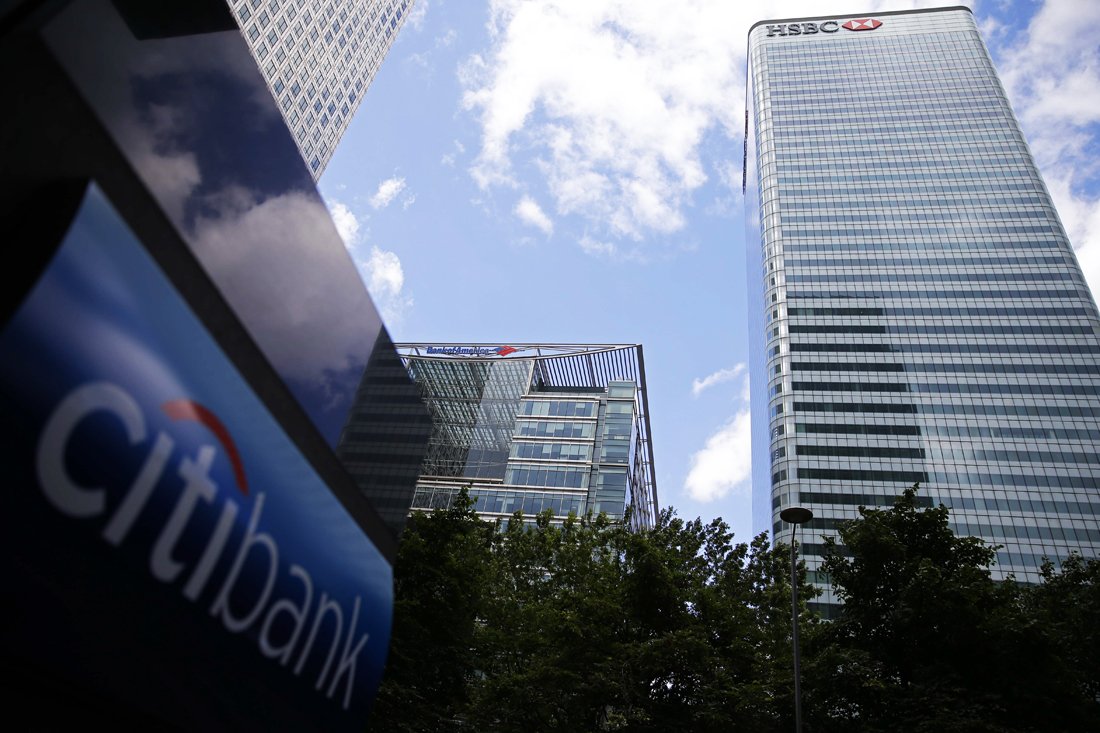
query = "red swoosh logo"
x=191 y=410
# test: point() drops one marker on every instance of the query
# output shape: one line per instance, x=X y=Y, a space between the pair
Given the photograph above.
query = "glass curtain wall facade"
x=919 y=314
x=542 y=427
x=319 y=57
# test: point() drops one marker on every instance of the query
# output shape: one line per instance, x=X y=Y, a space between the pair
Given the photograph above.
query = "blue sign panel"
x=170 y=548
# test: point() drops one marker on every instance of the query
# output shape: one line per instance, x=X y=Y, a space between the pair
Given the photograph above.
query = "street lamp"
x=796 y=515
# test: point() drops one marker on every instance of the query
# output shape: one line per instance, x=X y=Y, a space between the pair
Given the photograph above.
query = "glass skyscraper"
x=319 y=57
x=531 y=427
x=918 y=312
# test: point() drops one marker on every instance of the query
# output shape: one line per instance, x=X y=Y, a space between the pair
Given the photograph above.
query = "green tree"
x=926 y=640
x=710 y=620
x=440 y=584
x=586 y=626
x=1067 y=605
x=552 y=628
x=597 y=628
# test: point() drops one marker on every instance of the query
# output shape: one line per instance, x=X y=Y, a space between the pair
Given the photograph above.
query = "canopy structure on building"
x=564 y=367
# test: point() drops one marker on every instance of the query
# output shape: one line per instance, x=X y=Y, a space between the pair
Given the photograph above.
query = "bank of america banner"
x=170 y=550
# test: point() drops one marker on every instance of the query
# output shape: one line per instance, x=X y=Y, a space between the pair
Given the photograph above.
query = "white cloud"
x=698 y=386
x=387 y=192
x=381 y=270
x=1052 y=76
x=597 y=248
x=385 y=275
x=724 y=465
x=300 y=328
x=612 y=99
x=447 y=39
x=385 y=279
x=449 y=158
x=347 y=224
x=415 y=17
x=529 y=212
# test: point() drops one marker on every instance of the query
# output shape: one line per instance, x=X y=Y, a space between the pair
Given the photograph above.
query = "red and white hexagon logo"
x=862 y=24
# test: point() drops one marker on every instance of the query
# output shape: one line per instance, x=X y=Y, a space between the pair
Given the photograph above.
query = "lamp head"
x=796 y=515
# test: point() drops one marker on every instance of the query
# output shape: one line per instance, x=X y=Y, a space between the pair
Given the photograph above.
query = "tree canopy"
x=587 y=626
x=928 y=641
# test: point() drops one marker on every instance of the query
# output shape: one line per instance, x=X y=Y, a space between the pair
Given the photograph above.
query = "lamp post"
x=796 y=515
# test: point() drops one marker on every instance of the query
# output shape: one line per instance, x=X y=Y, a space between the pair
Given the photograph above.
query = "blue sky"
x=569 y=171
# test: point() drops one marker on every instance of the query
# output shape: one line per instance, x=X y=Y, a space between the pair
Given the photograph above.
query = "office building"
x=530 y=427
x=383 y=440
x=918 y=312
x=319 y=57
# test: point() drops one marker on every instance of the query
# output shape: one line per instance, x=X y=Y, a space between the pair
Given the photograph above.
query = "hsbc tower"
x=918 y=312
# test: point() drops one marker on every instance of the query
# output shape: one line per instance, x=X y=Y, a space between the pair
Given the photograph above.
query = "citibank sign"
x=829 y=26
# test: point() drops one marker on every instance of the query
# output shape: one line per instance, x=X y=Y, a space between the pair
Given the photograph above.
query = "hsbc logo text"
x=829 y=26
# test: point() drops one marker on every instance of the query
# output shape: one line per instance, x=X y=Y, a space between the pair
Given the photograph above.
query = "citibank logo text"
x=243 y=602
x=829 y=26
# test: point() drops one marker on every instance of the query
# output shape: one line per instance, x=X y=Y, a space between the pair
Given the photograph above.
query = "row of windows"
x=558 y=408
x=918 y=183
x=950 y=241
x=944 y=294
x=907 y=277
x=555 y=429
x=942 y=46
x=983 y=529
x=897 y=150
x=871 y=126
x=1007 y=160
x=964 y=478
x=1019 y=410
x=1085 y=390
x=557 y=476
x=968 y=454
x=972 y=311
x=900 y=207
x=799 y=204
x=853 y=138
x=502 y=502
x=872 y=500
x=935 y=78
x=984 y=348
x=870 y=173
x=884 y=121
x=875 y=105
x=859 y=451
x=987 y=503
x=957 y=228
x=890 y=244
x=846 y=429
x=553 y=451
x=911 y=188
x=1003 y=432
x=1004 y=557
x=980 y=329
x=945 y=368
x=933 y=261
x=1023 y=186
x=916 y=56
